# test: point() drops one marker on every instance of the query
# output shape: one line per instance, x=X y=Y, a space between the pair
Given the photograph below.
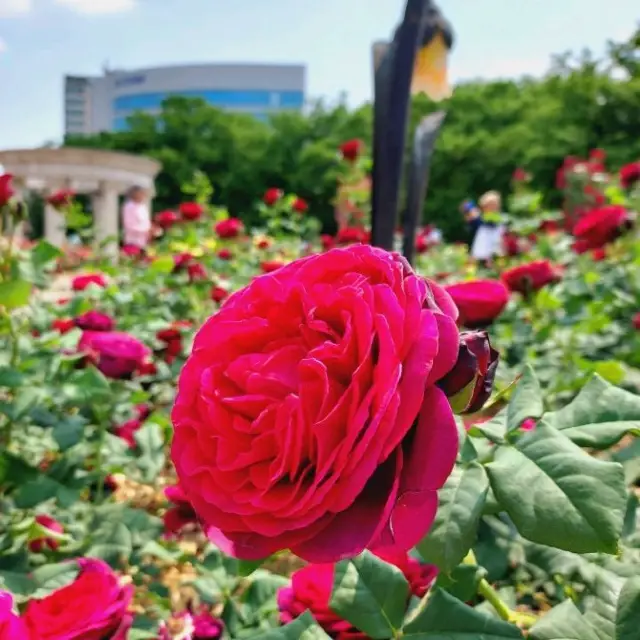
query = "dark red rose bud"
x=469 y=384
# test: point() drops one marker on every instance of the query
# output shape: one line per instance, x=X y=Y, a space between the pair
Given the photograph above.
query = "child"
x=487 y=242
x=136 y=219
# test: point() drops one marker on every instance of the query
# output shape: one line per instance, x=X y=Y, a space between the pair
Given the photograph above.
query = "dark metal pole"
x=423 y=145
x=392 y=86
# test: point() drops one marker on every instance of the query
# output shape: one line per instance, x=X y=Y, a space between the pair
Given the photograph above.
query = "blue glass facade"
x=223 y=98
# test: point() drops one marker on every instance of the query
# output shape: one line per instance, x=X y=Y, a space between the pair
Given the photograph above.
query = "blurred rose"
x=166 y=219
x=196 y=272
x=532 y=276
x=180 y=514
x=600 y=226
x=351 y=235
x=116 y=354
x=225 y=254
x=147 y=369
x=38 y=545
x=181 y=260
x=95 y=321
x=629 y=175
x=470 y=383
x=93 y=607
x=268 y=266
x=12 y=627
x=351 y=149
x=511 y=244
x=191 y=210
x=6 y=189
x=131 y=251
x=218 y=294
x=127 y=431
x=312 y=585
x=549 y=226
x=299 y=205
x=480 y=302
x=599 y=254
x=340 y=354
x=80 y=283
x=327 y=241
x=272 y=196
x=61 y=199
x=636 y=321
x=63 y=325
x=229 y=228
x=263 y=243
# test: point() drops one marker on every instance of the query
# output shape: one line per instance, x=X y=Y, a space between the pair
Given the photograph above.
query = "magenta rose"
x=312 y=585
x=93 y=607
x=95 y=321
x=116 y=354
x=12 y=627
x=80 y=283
x=479 y=302
x=308 y=416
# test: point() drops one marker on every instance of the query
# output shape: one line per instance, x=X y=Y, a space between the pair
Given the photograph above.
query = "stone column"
x=55 y=226
x=105 y=218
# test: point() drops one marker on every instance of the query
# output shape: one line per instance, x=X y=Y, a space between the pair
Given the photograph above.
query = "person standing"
x=487 y=242
x=136 y=219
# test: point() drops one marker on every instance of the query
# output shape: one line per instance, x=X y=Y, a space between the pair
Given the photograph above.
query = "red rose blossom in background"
x=191 y=211
x=340 y=354
x=299 y=205
x=218 y=294
x=6 y=189
x=600 y=226
x=127 y=431
x=351 y=235
x=95 y=321
x=225 y=254
x=131 y=251
x=181 y=260
x=196 y=272
x=351 y=149
x=549 y=226
x=268 y=266
x=80 y=283
x=311 y=589
x=629 y=175
x=599 y=255
x=520 y=175
x=166 y=219
x=63 y=325
x=61 y=199
x=479 y=302
x=529 y=277
x=636 y=321
x=271 y=196
x=93 y=607
x=38 y=545
x=116 y=354
x=327 y=241
x=263 y=243
x=229 y=228
x=180 y=514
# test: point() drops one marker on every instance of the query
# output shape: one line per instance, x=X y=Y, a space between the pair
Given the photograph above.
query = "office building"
x=94 y=104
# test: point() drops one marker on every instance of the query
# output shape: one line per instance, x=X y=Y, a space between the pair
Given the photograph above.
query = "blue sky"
x=41 y=40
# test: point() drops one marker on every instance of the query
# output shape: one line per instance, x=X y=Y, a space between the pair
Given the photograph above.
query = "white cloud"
x=97 y=6
x=9 y=8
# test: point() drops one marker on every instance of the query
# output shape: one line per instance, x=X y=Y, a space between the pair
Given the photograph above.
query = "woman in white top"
x=136 y=218
x=487 y=242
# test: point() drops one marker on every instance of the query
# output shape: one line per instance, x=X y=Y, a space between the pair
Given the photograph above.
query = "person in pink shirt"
x=136 y=219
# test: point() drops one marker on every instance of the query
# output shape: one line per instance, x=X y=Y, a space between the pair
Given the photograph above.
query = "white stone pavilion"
x=103 y=175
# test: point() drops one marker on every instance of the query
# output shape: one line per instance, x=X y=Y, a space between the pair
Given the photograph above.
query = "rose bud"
x=469 y=384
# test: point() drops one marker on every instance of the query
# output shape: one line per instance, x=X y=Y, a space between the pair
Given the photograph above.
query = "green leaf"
x=628 y=610
x=526 y=400
x=151 y=444
x=247 y=567
x=462 y=582
x=44 y=252
x=50 y=577
x=302 y=628
x=14 y=293
x=494 y=429
x=15 y=573
x=564 y=622
x=599 y=416
x=557 y=495
x=601 y=608
x=111 y=542
x=453 y=532
x=371 y=594
x=443 y=617
x=163 y=264
x=10 y=378
x=69 y=431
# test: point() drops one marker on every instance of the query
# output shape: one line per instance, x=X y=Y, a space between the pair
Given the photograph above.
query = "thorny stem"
x=524 y=620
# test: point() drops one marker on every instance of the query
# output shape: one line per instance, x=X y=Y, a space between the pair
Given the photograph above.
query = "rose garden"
x=262 y=428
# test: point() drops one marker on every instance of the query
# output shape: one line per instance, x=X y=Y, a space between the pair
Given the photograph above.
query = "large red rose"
x=118 y=355
x=229 y=228
x=479 y=302
x=80 y=283
x=600 y=226
x=308 y=416
x=311 y=588
x=93 y=607
x=11 y=625
x=6 y=189
x=191 y=210
x=529 y=277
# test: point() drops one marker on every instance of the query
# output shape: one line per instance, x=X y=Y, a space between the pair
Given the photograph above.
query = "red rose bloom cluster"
x=308 y=415
x=229 y=228
x=600 y=226
x=93 y=607
x=191 y=211
x=529 y=277
x=80 y=283
x=312 y=585
x=6 y=189
x=479 y=302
